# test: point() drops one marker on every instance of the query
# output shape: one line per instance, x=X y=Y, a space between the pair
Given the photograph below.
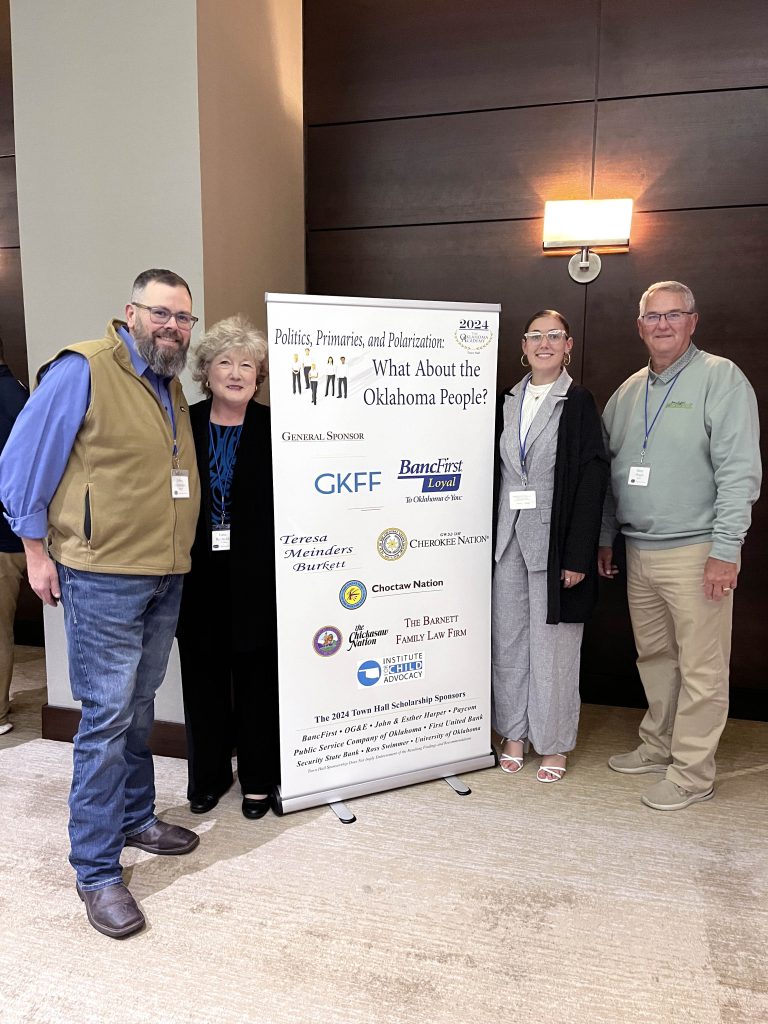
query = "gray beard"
x=163 y=363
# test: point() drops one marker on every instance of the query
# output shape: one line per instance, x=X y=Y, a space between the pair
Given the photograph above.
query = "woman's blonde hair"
x=234 y=332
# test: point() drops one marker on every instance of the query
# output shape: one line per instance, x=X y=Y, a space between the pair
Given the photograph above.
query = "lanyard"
x=522 y=441
x=175 y=452
x=227 y=479
x=648 y=429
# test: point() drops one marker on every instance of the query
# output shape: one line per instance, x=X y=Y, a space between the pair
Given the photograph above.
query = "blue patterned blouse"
x=222 y=454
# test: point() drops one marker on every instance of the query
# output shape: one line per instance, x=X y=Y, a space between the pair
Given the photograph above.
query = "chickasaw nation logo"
x=353 y=594
x=392 y=544
x=326 y=641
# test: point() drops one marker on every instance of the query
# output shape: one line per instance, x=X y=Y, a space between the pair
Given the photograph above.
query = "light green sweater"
x=703 y=454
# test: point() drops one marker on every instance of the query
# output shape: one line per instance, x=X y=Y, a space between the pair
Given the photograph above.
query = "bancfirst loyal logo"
x=440 y=475
x=399 y=669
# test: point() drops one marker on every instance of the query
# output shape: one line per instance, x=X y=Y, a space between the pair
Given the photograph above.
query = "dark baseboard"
x=168 y=739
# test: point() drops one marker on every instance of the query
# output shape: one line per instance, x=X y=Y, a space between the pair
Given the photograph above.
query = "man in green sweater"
x=683 y=436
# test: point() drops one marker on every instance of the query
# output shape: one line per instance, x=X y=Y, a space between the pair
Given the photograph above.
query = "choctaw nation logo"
x=392 y=544
x=326 y=641
x=353 y=594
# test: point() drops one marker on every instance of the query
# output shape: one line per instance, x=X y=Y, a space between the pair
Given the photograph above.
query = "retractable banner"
x=382 y=437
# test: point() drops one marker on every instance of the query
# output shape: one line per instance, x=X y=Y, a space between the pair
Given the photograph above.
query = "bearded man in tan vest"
x=99 y=480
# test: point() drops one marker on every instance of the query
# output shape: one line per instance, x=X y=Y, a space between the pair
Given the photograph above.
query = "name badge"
x=522 y=499
x=220 y=538
x=639 y=476
x=180 y=483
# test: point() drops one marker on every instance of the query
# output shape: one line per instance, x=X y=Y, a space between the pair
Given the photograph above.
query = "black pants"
x=342 y=380
x=230 y=701
x=296 y=382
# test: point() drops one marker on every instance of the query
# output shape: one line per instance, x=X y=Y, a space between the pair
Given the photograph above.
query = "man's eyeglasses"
x=537 y=336
x=160 y=315
x=675 y=316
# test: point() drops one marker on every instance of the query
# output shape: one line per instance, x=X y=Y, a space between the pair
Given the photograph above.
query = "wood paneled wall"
x=435 y=131
x=29 y=618
x=11 y=300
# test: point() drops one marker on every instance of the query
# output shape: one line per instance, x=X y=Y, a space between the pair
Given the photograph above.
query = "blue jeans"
x=119 y=635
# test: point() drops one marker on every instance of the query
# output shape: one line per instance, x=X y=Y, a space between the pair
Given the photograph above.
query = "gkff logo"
x=348 y=483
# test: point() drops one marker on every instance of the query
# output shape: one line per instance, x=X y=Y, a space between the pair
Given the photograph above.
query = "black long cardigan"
x=581 y=477
x=251 y=562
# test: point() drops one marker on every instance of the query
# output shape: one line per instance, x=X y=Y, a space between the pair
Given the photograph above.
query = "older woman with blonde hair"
x=227 y=624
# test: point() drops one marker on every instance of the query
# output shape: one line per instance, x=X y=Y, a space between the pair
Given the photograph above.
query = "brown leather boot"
x=164 y=839
x=112 y=910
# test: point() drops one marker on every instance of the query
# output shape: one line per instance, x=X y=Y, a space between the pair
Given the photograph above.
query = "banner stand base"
x=288 y=804
x=342 y=812
x=457 y=785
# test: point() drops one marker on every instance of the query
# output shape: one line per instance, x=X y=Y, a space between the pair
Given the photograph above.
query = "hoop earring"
x=523 y=361
x=567 y=359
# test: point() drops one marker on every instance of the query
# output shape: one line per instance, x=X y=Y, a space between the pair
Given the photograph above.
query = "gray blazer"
x=531 y=526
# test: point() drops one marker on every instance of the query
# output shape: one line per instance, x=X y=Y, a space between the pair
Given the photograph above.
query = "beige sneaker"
x=634 y=763
x=668 y=796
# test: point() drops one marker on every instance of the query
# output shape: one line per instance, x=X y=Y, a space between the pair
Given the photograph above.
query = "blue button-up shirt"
x=38 y=449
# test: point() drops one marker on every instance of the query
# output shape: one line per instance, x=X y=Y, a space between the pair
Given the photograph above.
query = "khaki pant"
x=684 y=646
x=11 y=570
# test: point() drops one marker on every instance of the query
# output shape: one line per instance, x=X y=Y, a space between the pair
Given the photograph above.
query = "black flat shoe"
x=203 y=804
x=254 y=809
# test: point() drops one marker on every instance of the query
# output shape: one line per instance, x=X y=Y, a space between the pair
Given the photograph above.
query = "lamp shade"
x=590 y=223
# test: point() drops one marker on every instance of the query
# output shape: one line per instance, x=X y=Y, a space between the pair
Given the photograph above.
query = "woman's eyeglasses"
x=537 y=336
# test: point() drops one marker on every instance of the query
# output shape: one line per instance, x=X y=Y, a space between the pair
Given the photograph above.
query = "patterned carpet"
x=570 y=904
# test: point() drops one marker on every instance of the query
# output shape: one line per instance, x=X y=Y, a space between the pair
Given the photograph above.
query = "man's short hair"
x=162 y=277
x=669 y=286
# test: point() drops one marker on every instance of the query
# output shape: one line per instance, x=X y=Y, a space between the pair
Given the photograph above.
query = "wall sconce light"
x=583 y=225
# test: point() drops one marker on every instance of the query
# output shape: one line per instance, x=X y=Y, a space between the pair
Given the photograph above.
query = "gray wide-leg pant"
x=535 y=667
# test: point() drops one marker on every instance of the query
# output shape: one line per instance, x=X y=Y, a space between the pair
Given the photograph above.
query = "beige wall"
x=251 y=153
x=119 y=169
x=107 y=158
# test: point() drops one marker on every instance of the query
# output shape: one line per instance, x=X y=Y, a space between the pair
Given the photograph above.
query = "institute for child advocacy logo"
x=394 y=669
x=368 y=673
x=353 y=594
x=326 y=641
x=392 y=544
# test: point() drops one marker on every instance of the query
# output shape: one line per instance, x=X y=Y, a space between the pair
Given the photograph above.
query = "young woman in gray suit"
x=553 y=475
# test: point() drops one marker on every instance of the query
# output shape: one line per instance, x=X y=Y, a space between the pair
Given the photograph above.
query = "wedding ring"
x=726 y=590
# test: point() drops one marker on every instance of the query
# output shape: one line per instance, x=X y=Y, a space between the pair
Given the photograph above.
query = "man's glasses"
x=537 y=336
x=160 y=315
x=675 y=316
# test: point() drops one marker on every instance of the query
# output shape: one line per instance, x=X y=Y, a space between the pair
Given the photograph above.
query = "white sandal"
x=511 y=759
x=554 y=769
x=517 y=761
